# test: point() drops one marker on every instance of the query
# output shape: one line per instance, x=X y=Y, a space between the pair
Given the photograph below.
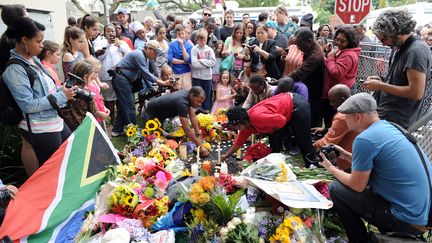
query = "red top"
x=341 y=69
x=129 y=42
x=267 y=116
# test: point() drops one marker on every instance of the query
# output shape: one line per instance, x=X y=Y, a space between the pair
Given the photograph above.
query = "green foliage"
x=254 y=3
x=243 y=233
x=324 y=9
x=11 y=169
x=222 y=209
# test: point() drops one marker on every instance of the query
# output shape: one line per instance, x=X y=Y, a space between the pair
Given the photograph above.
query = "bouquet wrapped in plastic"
x=271 y=168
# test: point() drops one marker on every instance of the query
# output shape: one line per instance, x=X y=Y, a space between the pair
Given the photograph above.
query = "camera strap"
x=413 y=140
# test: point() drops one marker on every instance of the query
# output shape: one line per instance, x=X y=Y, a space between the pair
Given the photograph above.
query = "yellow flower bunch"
x=283 y=175
x=131 y=130
x=124 y=196
x=198 y=215
x=162 y=205
x=285 y=229
x=207 y=183
x=198 y=196
x=205 y=120
x=126 y=170
x=179 y=133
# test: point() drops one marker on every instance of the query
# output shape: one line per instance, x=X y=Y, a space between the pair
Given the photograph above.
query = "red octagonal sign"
x=352 y=11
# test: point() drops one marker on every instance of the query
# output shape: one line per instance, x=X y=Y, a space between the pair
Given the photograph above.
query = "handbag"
x=227 y=63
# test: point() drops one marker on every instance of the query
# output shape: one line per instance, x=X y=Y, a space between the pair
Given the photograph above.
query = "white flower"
x=224 y=232
x=236 y=221
x=230 y=226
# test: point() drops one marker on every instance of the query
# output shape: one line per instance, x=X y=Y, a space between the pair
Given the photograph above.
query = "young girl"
x=77 y=108
x=49 y=56
x=218 y=48
x=95 y=87
x=225 y=93
x=73 y=44
x=91 y=27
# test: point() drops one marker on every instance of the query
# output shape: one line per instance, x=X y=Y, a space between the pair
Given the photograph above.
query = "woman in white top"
x=160 y=36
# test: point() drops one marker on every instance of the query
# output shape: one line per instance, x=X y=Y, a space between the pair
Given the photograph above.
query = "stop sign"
x=352 y=11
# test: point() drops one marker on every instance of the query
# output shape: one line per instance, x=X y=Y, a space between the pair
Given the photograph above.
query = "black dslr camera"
x=79 y=93
x=4 y=198
x=329 y=151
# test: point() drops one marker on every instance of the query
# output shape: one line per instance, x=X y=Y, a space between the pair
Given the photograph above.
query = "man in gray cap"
x=122 y=18
x=388 y=185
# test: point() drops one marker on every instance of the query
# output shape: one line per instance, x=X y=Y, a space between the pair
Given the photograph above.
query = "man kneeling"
x=388 y=185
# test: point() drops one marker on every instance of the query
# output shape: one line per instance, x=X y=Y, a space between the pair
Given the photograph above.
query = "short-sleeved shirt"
x=402 y=110
x=169 y=105
x=397 y=172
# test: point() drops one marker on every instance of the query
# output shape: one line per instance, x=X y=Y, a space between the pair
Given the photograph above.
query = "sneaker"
x=117 y=134
x=293 y=150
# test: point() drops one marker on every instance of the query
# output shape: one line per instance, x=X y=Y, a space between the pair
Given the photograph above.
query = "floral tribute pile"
x=152 y=197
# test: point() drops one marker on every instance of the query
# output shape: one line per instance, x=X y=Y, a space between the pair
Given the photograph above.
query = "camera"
x=79 y=93
x=4 y=198
x=329 y=151
x=174 y=80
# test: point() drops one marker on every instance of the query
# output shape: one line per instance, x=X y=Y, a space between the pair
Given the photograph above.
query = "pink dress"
x=223 y=91
x=98 y=99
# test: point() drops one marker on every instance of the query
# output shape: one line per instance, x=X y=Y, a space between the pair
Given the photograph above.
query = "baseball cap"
x=358 y=103
x=122 y=10
x=153 y=44
x=271 y=24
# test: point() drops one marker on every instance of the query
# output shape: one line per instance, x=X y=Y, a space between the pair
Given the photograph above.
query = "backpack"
x=10 y=113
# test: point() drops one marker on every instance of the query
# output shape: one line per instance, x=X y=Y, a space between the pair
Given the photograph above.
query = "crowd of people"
x=275 y=76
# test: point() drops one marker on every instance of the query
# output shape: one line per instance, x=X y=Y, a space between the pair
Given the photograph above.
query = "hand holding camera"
x=78 y=92
x=373 y=83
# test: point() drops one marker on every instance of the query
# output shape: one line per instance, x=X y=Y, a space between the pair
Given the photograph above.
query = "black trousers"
x=299 y=126
x=352 y=206
x=45 y=144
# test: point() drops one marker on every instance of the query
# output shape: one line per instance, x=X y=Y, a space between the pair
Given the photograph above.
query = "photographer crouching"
x=7 y=192
x=388 y=185
x=130 y=73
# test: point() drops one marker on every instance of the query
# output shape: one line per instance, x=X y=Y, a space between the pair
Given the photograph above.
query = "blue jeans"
x=206 y=85
x=126 y=113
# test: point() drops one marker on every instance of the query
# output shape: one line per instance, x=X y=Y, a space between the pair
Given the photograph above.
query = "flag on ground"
x=62 y=188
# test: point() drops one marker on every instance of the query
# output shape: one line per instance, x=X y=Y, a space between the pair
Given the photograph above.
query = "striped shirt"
x=293 y=60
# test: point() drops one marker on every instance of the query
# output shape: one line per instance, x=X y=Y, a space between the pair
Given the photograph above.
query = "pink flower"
x=161 y=181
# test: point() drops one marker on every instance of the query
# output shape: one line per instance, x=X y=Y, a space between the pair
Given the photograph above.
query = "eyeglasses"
x=207 y=14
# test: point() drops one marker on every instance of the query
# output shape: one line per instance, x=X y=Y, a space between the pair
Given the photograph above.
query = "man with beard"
x=400 y=94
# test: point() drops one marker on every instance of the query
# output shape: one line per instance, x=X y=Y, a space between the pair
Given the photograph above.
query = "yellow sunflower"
x=145 y=132
x=130 y=132
x=158 y=157
x=151 y=125
x=158 y=122
x=157 y=134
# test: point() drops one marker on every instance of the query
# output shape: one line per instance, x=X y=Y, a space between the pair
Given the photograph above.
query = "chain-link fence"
x=374 y=62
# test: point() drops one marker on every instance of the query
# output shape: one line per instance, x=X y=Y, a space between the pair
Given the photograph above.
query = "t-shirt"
x=397 y=172
x=225 y=32
x=401 y=110
x=169 y=105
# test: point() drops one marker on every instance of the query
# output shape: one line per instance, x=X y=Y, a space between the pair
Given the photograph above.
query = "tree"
x=255 y=3
x=324 y=9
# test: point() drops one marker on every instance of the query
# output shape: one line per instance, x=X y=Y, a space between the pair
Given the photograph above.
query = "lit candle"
x=206 y=166
x=194 y=170
x=183 y=152
x=239 y=153
x=224 y=168
x=219 y=156
x=198 y=152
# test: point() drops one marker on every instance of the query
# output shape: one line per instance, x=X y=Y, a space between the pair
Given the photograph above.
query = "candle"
x=206 y=166
x=194 y=170
x=224 y=168
x=219 y=156
x=253 y=139
x=183 y=152
x=198 y=151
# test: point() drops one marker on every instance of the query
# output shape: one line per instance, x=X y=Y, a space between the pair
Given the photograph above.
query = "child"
x=179 y=59
x=77 y=108
x=203 y=59
x=218 y=47
x=167 y=74
x=95 y=86
x=49 y=56
x=225 y=93
x=73 y=44
x=241 y=85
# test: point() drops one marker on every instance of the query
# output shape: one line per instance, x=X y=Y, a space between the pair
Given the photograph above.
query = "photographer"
x=41 y=125
x=134 y=67
x=262 y=52
x=388 y=186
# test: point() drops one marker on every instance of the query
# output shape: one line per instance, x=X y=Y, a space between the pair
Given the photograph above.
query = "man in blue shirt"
x=388 y=185
x=179 y=57
x=133 y=65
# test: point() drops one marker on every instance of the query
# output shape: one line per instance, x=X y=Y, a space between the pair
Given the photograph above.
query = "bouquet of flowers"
x=152 y=129
x=256 y=151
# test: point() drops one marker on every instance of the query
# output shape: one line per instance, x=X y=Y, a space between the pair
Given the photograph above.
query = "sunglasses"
x=207 y=14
